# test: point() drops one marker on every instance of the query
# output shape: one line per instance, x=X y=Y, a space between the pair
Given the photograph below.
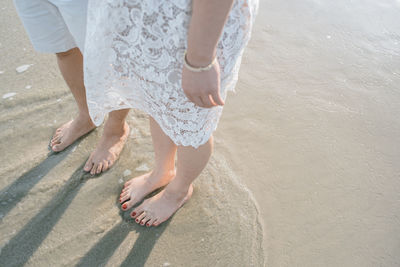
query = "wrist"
x=200 y=58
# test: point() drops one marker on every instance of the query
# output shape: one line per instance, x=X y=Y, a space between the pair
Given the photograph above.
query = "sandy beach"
x=305 y=170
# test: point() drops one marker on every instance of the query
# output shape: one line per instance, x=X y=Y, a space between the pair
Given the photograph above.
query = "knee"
x=73 y=51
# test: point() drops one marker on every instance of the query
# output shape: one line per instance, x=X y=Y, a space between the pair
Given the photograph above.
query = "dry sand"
x=312 y=132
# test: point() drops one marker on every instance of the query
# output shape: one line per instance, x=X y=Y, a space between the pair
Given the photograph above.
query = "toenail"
x=124 y=206
x=137 y=220
x=142 y=223
x=147 y=224
x=133 y=213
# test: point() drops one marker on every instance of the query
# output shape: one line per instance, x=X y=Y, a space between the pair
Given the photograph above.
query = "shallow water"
x=314 y=131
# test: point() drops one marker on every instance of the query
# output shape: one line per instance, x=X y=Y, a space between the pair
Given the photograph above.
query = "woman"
x=175 y=60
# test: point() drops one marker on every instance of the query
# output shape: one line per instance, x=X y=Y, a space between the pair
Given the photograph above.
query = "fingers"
x=198 y=102
x=207 y=101
x=217 y=99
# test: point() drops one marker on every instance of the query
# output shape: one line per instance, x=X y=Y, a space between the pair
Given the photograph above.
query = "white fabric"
x=54 y=25
x=134 y=57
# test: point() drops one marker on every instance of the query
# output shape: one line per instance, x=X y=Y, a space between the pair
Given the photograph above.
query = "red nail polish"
x=147 y=224
x=137 y=220
x=142 y=223
x=133 y=213
x=124 y=206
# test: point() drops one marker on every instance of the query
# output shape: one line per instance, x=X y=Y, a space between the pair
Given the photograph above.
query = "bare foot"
x=108 y=149
x=70 y=132
x=137 y=188
x=161 y=207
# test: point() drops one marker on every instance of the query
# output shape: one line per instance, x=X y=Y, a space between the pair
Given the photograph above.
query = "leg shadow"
x=144 y=245
x=105 y=247
x=22 y=246
x=22 y=185
x=102 y=251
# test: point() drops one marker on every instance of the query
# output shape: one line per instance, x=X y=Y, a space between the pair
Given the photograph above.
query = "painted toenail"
x=137 y=220
x=133 y=213
x=147 y=224
x=124 y=206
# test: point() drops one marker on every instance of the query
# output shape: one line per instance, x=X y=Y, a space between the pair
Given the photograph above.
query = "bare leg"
x=190 y=164
x=71 y=67
x=115 y=133
x=164 y=170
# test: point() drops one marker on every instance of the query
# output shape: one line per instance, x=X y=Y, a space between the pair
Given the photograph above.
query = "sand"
x=305 y=170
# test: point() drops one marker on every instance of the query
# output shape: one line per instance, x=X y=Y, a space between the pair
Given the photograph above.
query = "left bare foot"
x=161 y=207
x=109 y=147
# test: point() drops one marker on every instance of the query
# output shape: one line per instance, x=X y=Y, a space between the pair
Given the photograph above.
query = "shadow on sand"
x=21 y=186
x=22 y=246
x=102 y=251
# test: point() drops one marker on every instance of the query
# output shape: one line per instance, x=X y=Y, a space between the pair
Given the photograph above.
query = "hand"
x=203 y=88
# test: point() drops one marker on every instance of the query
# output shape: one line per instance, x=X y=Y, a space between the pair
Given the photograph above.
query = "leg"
x=190 y=164
x=164 y=170
x=71 y=67
x=115 y=133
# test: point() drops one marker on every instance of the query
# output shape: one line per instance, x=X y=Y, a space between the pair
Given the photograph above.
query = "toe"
x=124 y=206
x=88 y=165
x=150 y=222
x=124 y=193
x=52 y=144
x=124 y=198
x=144 y=220
x=125 y=189
x=93 y=170
x=140 y=217
x=110 y=163
x=99 y=168
x=105 y=166
x=55 y=139
x=156 y=223
x=57 y=147
x=127 y=183
x=131 y=201
x=136 y=212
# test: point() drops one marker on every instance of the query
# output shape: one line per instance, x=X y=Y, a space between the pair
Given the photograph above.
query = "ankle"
x=163 y=172
x=115 y=127
x=177 y=190
x=84 y=116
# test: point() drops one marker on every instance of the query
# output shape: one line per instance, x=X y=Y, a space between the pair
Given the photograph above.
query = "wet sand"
x=305 y=171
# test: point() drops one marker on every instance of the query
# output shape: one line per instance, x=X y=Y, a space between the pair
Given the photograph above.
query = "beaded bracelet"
x=197 y=69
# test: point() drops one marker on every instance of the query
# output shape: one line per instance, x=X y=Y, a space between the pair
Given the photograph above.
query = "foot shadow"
x=102 y=251
x=23 y=184
x=22 y=246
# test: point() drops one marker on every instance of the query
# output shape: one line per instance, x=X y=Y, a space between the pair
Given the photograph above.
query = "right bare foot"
x=70 y=132
x=137 y=188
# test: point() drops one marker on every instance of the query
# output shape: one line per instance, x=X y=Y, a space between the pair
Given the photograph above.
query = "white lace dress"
x=134 y=58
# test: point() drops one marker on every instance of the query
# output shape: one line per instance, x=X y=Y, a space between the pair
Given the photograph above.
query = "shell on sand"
x=23 y=68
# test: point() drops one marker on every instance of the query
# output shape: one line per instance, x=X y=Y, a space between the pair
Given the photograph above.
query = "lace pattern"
x=133 y=59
